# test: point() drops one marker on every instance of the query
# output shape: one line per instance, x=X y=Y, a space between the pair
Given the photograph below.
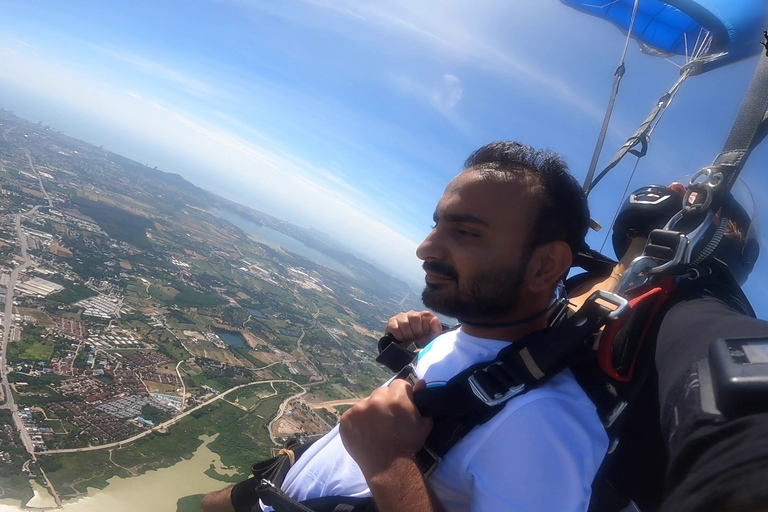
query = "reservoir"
x=156 y=491
x=276 y=239
x=255 y=312
x=232 y=338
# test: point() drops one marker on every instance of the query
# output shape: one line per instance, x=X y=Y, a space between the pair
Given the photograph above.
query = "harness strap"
x=275 y=469
x=270 y=474
x=618 y=360
x=274 y=497
x=393 y=355
x=478 y=393
x=746 y=132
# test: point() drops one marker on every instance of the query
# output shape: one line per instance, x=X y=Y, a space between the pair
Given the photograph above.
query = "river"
x=156 y=491
x=275 y=238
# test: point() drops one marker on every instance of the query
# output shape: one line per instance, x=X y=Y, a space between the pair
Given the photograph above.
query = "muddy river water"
x=155 y=491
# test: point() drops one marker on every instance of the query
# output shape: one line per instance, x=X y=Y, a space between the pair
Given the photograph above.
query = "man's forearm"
x=402 y=487
x=218 y=501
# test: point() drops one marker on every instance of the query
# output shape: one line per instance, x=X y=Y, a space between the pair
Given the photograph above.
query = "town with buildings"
x=129 y=305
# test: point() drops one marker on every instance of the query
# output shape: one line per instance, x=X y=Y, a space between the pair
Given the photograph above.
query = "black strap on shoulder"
x=477 y=394
x=524 y=364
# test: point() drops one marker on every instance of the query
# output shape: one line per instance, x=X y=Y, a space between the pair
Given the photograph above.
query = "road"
x=280 y=413
x=176 y=419
x=7 y=327
x=183 y=387
x=39 y=179
x=333 y=403
x=10 y=404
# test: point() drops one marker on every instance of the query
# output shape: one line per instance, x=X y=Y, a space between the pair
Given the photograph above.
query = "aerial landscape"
x=147 y=317
x=209 y=210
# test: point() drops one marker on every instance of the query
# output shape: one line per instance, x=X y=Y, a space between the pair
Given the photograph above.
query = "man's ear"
x=547 y=265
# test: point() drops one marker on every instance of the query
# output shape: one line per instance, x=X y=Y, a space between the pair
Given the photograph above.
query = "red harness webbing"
x=659 y=293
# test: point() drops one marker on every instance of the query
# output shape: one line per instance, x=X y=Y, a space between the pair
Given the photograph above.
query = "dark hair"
x=563 y=210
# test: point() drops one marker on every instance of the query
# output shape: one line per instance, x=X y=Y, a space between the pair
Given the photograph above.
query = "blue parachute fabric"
x=675 y=26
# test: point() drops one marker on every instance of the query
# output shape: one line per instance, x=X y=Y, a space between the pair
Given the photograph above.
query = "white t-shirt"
x=539 y=454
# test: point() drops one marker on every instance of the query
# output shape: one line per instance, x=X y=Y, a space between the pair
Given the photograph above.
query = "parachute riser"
x=676 y=250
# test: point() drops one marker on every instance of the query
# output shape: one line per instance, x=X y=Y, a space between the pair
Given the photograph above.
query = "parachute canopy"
x=688 y=27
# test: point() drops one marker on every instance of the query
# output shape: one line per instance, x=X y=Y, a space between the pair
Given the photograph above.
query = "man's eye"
x=464 y=232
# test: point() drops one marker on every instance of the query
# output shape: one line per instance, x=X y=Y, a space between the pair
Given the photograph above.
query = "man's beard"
x=487 y=296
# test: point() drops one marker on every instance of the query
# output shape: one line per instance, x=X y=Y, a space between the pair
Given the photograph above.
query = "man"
x=505 y=233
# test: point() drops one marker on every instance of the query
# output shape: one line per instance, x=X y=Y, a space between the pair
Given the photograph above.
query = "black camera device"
x=739 y=374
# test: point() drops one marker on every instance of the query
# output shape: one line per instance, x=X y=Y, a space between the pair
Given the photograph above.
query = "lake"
x=255 y=312
x=276 y=239
x=156 y=491
x=232 y=338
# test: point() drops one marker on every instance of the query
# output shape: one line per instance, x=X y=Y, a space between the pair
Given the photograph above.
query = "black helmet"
x=652 y=206
x=646 y=209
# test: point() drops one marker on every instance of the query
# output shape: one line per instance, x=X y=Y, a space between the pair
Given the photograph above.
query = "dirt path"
x=333 y=403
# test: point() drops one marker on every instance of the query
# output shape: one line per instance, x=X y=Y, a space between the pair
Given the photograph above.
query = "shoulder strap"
x=478 y=393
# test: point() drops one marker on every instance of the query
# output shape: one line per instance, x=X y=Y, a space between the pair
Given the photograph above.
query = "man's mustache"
x=442 y=269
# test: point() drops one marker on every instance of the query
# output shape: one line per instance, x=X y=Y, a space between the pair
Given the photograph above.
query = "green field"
x=32 y=346
x=118 y=223
x=243 y=440
x=138 y=288
x=162 y=293
x=248 y=356
x=250 y=396
x=72 y=293
x=188 y=297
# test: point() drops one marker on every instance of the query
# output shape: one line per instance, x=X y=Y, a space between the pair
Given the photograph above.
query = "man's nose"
x=430 y=248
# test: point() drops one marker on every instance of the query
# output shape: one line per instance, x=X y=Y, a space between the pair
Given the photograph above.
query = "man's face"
x=476 y=256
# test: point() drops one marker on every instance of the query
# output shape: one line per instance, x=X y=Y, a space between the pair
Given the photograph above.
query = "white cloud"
x=163 y=72
x=449 y=93
x=448 y=30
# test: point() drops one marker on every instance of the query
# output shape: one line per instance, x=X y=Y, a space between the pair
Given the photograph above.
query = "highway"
x=183 y=386
x=10 y=404
x=7 y=328
x=39 y=179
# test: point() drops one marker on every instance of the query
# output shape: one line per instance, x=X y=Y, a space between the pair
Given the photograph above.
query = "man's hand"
x=418 y=327
x=384 y=428
x=382 y=433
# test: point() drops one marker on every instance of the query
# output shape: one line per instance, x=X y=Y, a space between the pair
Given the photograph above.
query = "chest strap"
x=477 y=394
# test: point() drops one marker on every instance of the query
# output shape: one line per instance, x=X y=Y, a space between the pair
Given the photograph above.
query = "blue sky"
x=351 y=116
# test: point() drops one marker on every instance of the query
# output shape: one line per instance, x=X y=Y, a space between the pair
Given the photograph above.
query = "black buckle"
x=666 y=245
x=491 y=398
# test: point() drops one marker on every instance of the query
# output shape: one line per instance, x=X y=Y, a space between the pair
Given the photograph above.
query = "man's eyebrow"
x=466 y=218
